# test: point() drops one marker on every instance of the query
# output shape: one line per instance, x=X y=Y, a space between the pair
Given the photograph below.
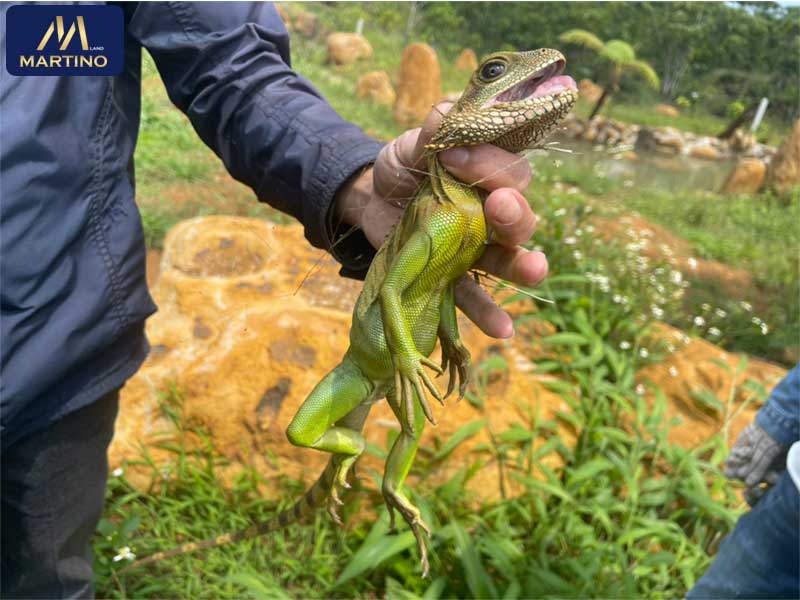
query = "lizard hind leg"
x=321 y=423
x=398 y=464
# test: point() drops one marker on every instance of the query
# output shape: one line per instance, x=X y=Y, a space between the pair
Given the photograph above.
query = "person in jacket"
x=74 y=296
x=761 y=556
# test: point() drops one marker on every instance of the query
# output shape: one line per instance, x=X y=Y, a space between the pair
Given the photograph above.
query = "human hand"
x=755 y=458
x=374 y=201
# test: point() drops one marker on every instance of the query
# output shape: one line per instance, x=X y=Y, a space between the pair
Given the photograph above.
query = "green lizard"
x=512 y=101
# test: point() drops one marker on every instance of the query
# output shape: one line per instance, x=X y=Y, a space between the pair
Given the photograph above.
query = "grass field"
x=628 y=514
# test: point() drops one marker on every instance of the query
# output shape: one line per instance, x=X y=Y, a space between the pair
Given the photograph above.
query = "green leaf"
x=462 y=433
x=377 y=547
x=589 y=470
x=567 y=338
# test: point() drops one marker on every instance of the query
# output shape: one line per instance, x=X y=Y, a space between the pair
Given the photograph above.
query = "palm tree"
x=620 y=54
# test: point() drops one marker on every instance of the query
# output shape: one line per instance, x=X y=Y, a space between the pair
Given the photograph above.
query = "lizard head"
x=513 y=100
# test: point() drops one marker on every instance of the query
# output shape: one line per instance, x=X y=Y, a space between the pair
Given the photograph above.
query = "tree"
x=620 y=54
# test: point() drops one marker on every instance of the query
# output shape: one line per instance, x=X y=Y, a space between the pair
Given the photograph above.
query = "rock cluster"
x=666 y=140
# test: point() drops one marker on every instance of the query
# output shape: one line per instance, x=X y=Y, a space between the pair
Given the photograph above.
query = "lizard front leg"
x=409 y=363
x=455 y=356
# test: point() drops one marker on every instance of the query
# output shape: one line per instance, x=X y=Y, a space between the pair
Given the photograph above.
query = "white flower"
x=720 y=313
x=643 y=352
x=640 y=389
x=590 y=229
x=628 y=183
x=578 y=232
x=699 y=321
x=657 y=311
x=557 y=163
x=756 y=321
x=746 y=305
x=714 y=331
x=577 y=255
x=117 y=472
x=124 y=554
x=570 y=241
x=673 y=371
x=705 y=306
x=618 y=299
x=624 y=345
x=560 y=212
x=692 y=263
x=676 y=277
x=764 y=329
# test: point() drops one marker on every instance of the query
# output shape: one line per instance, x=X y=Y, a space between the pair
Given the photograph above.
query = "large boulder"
x=419 y=85
x=250 y=319
x=667 y=140
x=747 y=177
x=784 y=171
x=467 y=61
x=347 y=48
x=377 y=87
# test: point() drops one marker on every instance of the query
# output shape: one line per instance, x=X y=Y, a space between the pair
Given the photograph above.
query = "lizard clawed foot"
x=410 y=378
x=411 y=514
x=456 y=360
x=339 y=480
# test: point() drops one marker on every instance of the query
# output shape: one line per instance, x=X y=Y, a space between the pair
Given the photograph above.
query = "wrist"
x=353 y=197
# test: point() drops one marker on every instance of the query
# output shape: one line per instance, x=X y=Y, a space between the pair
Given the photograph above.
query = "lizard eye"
x=492 y=70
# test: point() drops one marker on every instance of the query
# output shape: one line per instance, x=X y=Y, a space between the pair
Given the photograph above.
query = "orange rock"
x=347 y=48
x=377 y=87
x=589 y=90
x=467 y=61
x=306 y=24
x=698 y=366
x=667 y=110
x=784 y=172
x=419 y=85
x=747 y=177
x=705 y=152
x=249 y=320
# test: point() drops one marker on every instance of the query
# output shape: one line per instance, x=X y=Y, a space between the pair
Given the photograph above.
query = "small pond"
x=646 y=169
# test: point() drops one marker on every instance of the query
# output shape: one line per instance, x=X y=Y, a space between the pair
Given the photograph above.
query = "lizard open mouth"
x=546 y=82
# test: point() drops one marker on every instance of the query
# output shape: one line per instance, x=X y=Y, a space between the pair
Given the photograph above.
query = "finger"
x=433 y=389
x=451 y=382
x=481 y=309
x=520 y=266
x=427 y=361
x=423 y=401
x=509 y=217
x=408 y=402
x=488 y=167
x=757 y=470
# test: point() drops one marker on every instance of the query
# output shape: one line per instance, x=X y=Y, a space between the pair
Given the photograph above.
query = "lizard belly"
x=372 y=351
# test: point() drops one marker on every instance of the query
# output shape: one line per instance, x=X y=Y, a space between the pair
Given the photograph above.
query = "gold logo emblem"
x=58 y=27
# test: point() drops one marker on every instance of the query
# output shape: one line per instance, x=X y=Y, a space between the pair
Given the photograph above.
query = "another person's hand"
x=755 y=458
x=374 y=201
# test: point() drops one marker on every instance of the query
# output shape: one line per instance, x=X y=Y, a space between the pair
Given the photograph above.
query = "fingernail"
x=508 y=212
x=455 y=157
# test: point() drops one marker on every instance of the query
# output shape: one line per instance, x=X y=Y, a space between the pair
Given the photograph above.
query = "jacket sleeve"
x=227 y=66
x=780 y=416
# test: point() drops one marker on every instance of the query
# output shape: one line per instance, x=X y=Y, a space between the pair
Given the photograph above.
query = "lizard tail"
x=310 y=501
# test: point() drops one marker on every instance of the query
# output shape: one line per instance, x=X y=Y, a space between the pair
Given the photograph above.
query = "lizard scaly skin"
x=512 y=101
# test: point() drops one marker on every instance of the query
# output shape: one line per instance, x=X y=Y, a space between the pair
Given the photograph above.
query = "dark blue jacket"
x=780 y=415
x=72 y=257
